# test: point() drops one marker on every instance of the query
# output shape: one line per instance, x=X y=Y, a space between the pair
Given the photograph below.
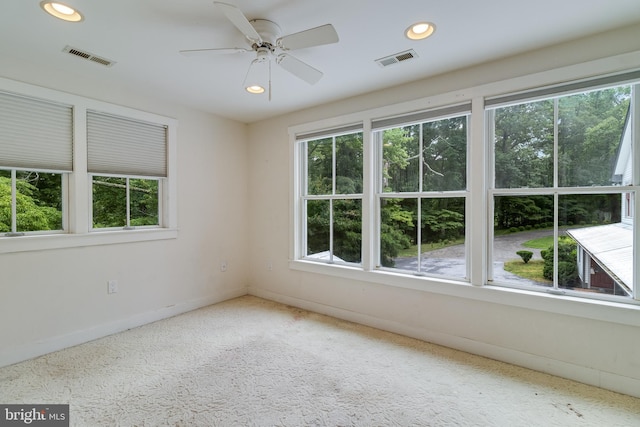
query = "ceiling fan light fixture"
x=61 y=11
x=255 y=89
x=420 y=30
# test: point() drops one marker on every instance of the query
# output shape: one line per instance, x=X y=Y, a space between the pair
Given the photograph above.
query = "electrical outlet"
x=270 y=265
x=112 y=286
x=223 y=265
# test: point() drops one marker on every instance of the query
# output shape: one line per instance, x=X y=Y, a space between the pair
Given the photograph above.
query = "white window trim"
x=611 y=311
x=77 y=215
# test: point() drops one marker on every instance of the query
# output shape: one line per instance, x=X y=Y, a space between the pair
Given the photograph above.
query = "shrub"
x=525 y=255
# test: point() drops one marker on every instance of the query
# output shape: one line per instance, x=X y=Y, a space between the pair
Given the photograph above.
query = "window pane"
x=349 y=164
x=401 y=159
x=523 y=146
x=590 y=129
x=318 y=228
x=320 y=166
x=399 y=233
x=442 y=237
x=523 y=230
x=445 y=154
x=109 y=202
x=143 y=194
x=38 y=201
x=347 y=230
x=595 y=254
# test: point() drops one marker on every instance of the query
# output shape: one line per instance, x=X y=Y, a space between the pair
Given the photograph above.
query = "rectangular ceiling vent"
x=397 y=57
x=88 y=56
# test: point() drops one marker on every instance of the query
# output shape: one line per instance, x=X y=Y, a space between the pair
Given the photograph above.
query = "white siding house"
x=605 y=253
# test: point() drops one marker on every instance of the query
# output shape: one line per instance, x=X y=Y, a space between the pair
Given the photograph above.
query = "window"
x=124 y=202
x=71 y=165
x=422 y=178
x=556 y=193
x=533 y=190
x=127 y=160
x=35 y=158
x=332 y=197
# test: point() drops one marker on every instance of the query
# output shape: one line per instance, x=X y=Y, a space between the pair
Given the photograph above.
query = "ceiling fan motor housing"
x=269 y=33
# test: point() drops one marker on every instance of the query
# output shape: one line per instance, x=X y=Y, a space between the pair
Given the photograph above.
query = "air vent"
x=396 y=58
x=88 y=56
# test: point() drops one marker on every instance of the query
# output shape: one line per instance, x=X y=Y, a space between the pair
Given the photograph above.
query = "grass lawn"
x=540 y=243
x=531 y=270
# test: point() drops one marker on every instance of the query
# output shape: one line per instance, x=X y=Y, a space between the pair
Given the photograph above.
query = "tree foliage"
x=37 y=202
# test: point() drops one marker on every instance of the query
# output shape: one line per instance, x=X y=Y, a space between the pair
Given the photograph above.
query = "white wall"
x=499 y=324
x=56 y=298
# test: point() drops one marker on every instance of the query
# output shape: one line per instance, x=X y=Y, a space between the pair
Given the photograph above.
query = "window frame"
x=78 y=184
x=64 y=190
x=127 y=226
x=479 y=176
x=303 y=141
x=556 y=190
x=429 y=116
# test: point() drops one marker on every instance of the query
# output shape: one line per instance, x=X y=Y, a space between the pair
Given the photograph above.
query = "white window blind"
x=119 y=145
x=421 y=116
x=35 y=134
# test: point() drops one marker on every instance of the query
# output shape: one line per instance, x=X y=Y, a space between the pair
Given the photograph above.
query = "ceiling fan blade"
x=317 y=36
x=299 y=69
x=215 y=51
x=241 y=22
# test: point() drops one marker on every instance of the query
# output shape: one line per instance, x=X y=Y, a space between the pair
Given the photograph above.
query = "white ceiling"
x=143 y=37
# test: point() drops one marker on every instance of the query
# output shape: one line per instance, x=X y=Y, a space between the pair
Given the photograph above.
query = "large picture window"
x=533 y=190
x=560 y=209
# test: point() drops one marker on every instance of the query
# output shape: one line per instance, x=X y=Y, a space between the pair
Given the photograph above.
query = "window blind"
x=35 y=134
x=562 y=89
x=421 y=116
x=123 y=146
x=329 y=132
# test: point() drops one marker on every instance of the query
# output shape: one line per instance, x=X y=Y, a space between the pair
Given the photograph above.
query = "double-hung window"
x=36 y=151
x=564 y=171
x=127 y=162
x=72 y=166
x=422 y=191
x=547 y=203
x=331 y=195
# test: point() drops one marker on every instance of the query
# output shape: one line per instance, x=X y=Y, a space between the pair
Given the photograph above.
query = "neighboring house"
x=605 y=252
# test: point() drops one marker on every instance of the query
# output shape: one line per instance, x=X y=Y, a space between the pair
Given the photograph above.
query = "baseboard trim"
x=9 y=356
x=582 y=374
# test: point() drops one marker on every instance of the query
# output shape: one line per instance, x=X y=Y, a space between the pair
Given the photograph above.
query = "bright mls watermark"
x=34 y=415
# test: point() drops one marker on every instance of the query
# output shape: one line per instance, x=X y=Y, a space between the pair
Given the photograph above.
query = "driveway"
x=449 y=261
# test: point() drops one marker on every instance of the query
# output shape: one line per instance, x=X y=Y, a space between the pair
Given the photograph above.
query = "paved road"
x=449 y=261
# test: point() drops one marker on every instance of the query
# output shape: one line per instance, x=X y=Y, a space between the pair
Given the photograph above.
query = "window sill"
x=42 y=242
x=615 y=312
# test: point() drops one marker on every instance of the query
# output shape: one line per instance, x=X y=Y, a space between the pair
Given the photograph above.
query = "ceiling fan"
x=265 y=40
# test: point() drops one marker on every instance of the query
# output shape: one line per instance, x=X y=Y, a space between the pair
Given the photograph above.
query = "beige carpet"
x=251 y=362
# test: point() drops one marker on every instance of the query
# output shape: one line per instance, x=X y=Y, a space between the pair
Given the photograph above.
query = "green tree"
x=31 y=213
x=567 y=262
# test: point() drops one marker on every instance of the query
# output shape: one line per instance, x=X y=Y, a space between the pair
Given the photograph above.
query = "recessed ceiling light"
x=61 y=11
x=255 y=89
x=420 y=30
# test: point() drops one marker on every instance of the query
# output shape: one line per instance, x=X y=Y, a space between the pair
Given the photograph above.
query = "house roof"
x=611 y=246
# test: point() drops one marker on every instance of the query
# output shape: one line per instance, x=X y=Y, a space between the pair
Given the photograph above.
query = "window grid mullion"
x=14 y=202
